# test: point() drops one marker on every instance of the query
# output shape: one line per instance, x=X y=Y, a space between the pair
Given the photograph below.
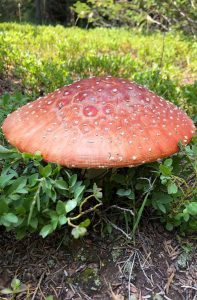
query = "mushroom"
x=100 y=122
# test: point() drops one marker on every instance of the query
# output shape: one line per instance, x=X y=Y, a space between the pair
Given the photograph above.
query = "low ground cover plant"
x=39 y=196
x=43 y=58
x=42 y=197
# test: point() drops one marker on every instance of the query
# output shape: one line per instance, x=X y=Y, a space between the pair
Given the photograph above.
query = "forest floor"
x=159 y=265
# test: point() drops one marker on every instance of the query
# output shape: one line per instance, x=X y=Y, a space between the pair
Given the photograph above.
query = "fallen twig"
x=38 y=286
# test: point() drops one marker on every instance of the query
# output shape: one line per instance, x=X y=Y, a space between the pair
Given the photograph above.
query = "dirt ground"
x=161 y=265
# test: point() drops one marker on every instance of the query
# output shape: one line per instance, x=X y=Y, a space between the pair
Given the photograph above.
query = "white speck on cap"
x=136 y=125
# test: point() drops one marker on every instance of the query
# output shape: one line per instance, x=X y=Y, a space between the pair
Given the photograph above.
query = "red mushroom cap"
x=99 y=122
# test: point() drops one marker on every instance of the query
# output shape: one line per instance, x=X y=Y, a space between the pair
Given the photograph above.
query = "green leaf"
x=4 y=179
x=139 y=186
x=10 y=217
x=3 y=206
x=164 y=179
x=165 y=170
x=186 y=217
x=6 y=291
x=179 y=216
x=62 y=220
x=36 y=157
x=78 y=232
x=193 y=225
x=4 y=150
x=8 y=153
x=161 y=197
x=15 y=284
x=169 y=226
x=34 y=223
x=78 y=191
x=192 y=208
x=70 y=205
x=60 y=208
x=161 y=207
x=172 y=188
x=46 y=187
x=85 y=223
x=54 y=223
x=72 y=180
x=61 y=184
x=33 y=179
x=168 y=162
x=53 y=194
x=126 y=193
x=18 y=186
x=123 y=192
x=45 y=171
x=14 y=197
x=46 y=230
x=97 y=192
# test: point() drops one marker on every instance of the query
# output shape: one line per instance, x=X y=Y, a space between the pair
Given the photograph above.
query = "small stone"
x=182 y=260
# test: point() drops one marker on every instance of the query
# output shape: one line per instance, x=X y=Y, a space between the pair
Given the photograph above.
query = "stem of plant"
x=71 y=224
x=139 y=215
x=87 y=211
x=84 y=201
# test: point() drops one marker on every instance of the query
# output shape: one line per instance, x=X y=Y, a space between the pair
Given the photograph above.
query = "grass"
x=42 y=58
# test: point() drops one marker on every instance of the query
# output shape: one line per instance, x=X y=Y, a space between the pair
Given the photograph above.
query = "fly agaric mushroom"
x=99 y=122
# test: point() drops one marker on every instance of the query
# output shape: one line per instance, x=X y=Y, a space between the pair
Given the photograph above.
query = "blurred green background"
x=144 y=14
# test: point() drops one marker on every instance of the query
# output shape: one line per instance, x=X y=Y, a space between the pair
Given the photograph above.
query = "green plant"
x=43 y=58
x=175 y=197
x=167 y=188
x=39 y=196
x=36 y=196
x=16 y=287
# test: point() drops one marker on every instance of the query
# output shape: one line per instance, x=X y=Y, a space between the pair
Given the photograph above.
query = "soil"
x=160 y=265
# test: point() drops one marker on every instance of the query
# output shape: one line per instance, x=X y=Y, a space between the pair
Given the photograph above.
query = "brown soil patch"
x=159 y=266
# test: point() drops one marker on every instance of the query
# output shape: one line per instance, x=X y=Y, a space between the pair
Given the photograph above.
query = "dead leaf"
x=173 y=252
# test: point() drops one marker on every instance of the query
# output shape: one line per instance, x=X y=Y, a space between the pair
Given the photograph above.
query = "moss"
x=91 y=278
x=116 y=253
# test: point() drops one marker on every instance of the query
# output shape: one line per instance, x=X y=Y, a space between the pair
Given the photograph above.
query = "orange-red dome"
x=99 y=122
